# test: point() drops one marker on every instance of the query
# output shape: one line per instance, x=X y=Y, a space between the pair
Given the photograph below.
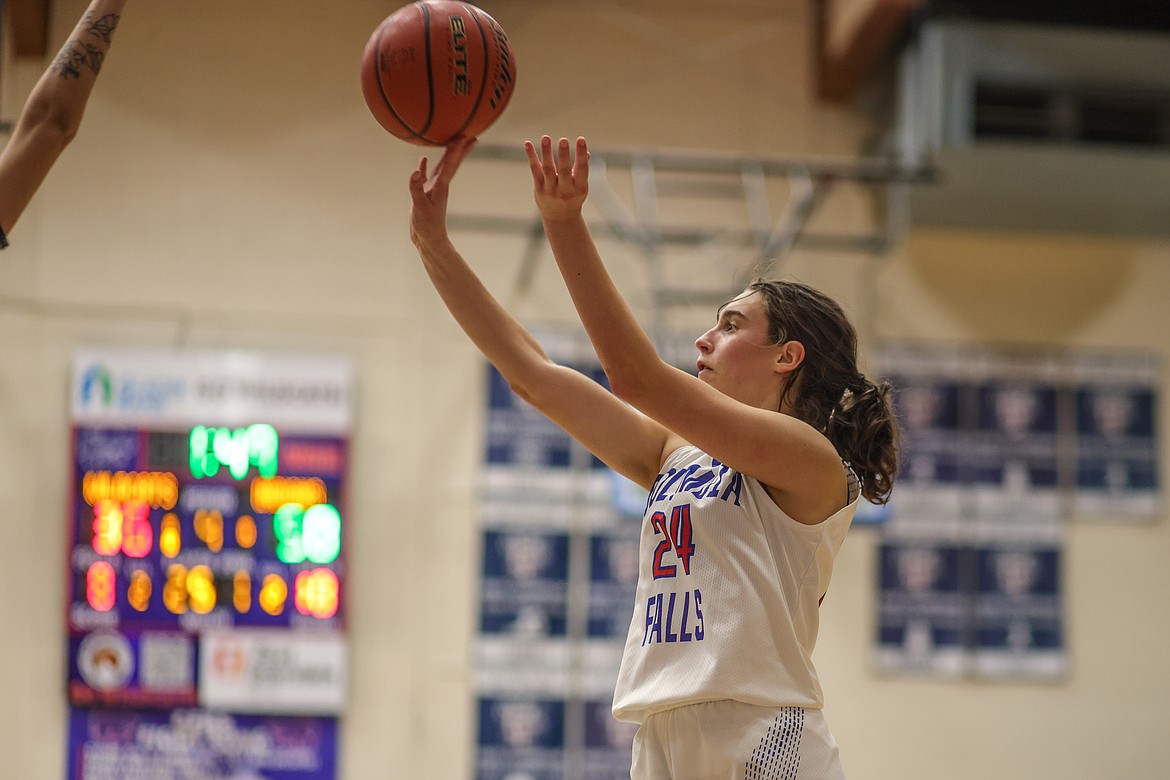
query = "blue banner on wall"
x=181 y=744
x=1000 y=448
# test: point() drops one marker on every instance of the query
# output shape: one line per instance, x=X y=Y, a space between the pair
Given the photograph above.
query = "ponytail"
x=827 y=391
x=864 y=430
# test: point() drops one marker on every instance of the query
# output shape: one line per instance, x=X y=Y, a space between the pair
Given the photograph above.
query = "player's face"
x=737 y=356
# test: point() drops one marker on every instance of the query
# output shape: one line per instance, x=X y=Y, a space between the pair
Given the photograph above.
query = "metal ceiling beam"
x=713 y=177
x=877 y=171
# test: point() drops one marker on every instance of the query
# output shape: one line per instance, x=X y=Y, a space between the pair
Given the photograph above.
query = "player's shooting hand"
x=428 y=195
x=560 y=179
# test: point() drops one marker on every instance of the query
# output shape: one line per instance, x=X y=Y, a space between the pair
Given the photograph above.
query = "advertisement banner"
x=264 y=671
x=167 y=745
x=131 y=386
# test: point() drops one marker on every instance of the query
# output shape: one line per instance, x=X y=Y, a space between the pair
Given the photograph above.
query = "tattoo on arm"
x=75 y=56
x=103 y=27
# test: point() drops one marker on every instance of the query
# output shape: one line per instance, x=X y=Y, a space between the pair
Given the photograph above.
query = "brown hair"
x=828 y=392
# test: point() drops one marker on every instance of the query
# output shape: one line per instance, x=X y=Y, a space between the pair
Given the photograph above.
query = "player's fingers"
x=463 y=149
x=449 y=163
x=581 y=167
x=534 y=163
x=564 y=159
x=418 y=176
x=546 y=159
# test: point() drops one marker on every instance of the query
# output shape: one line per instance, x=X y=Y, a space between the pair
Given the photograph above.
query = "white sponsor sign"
x=264 y=671
x=222 y=387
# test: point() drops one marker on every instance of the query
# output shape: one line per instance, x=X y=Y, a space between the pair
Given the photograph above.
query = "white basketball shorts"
x=729 y=740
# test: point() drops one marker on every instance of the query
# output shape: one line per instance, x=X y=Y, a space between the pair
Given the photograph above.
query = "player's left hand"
x=560 y=179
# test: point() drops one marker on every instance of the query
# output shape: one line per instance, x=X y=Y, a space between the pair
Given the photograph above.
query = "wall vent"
x=1041 y=113
x=1038 y=128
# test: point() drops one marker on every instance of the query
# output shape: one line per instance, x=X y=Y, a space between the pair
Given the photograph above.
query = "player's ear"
x=789 y=356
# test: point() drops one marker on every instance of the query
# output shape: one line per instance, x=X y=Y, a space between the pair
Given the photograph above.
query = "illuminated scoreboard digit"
x=208 y=518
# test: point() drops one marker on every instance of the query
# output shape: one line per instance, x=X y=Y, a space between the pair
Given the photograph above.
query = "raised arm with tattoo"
x=52 y=115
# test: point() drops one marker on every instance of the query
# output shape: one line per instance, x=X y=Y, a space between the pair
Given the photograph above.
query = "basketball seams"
x=426 y=12
x=377 y=66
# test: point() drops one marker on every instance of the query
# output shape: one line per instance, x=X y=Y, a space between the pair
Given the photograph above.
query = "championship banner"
x=929 y=394
x=1013 y=458
x=924 y=601
x=1018 y=625
x=1117 y=445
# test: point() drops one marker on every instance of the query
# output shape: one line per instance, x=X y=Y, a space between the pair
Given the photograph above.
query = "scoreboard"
x=169 y=537
x=206 y=561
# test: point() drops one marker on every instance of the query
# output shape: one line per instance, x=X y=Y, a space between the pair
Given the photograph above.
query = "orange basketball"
x=437 y=70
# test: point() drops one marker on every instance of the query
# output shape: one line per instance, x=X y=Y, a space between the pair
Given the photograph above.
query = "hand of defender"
x=428 y=196
x=561 y=182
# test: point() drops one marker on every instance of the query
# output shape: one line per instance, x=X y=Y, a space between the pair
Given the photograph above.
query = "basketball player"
x=52 y=115
x=754 y=468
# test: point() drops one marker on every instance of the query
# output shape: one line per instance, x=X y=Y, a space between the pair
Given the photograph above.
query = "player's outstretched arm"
x=623 y=438
x=52 y=115
x=779 y=450
x=561 y=184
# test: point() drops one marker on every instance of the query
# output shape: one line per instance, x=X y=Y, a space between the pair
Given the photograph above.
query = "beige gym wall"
x=229 y=189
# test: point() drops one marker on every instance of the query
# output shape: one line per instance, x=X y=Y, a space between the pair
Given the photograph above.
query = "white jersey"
x=728 y=593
